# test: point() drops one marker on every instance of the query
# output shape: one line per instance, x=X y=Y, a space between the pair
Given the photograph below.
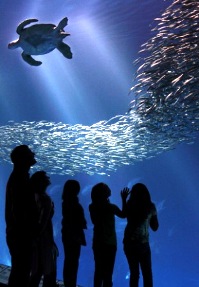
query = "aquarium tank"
x=120 y=105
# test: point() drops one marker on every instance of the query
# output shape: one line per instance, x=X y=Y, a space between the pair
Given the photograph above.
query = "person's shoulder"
x=45 y=198
x=113 y=206
x=153 y=205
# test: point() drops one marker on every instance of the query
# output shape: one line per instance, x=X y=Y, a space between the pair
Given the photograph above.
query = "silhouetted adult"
x=102 y=214
x=45 y=251
x=20 y=216
x=73 y=225
x=141 y=214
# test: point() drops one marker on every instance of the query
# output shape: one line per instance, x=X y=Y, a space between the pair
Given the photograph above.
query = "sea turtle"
x=40 y=39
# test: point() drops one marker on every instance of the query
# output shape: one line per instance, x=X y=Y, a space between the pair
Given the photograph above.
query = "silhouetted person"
x=102 y=214
x=20 y=216
x=141 y=214
x=73 y=225
x=45 y=251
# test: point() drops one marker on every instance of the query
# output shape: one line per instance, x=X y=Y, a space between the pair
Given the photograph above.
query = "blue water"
x=92 y=87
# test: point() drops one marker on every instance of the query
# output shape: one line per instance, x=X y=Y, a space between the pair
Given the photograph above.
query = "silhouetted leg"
x=20 y=251
x=145 y=263
x=133 y=262
x=50 y=280
x=109 y=261
x=71 y=264
x=104 y=256
x=99 y=261
x=36 y=268
x=35 y=279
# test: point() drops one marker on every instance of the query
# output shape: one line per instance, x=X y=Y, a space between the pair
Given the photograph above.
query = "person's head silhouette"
x=71 y=189
x=100 y=193
x=22 y=156
x=140 y=194
x=39 y=181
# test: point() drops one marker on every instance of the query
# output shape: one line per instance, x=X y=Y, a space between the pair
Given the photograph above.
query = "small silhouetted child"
x=73 y=225
x=141 y=214
x=102 y=214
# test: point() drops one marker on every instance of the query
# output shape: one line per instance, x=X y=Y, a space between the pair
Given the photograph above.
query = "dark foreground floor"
x=5 y=272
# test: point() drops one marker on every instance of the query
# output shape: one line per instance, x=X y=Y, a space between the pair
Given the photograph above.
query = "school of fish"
x=163 y=113
x=167 y=79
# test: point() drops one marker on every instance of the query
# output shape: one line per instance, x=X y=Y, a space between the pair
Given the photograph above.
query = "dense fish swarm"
x=167 y=80
x=163 y=113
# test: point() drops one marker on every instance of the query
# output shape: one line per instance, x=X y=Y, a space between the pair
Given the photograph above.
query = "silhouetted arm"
x=46 y=213
x=82 y=221
x=117 y=211
x=93 y=214
x=154 y=224
x=124 y=194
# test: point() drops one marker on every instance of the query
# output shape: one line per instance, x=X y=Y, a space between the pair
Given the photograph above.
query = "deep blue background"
x=105 y=39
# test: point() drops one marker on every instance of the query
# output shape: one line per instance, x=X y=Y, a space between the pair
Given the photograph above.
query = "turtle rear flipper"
x=65 y=50
x=28 y=59
x=23 y=24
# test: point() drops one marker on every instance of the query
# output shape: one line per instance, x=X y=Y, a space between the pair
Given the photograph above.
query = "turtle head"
x=64 y=34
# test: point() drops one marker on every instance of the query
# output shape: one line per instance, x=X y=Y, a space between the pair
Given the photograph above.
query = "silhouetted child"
x=45 y=251
x=102 y=214
x=73 y=225
x=141 y=214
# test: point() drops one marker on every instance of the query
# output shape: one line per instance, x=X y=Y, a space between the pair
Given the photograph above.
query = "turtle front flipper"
x=62 y=24
x=24 y=23
x=28 y=59
x=65 y=50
